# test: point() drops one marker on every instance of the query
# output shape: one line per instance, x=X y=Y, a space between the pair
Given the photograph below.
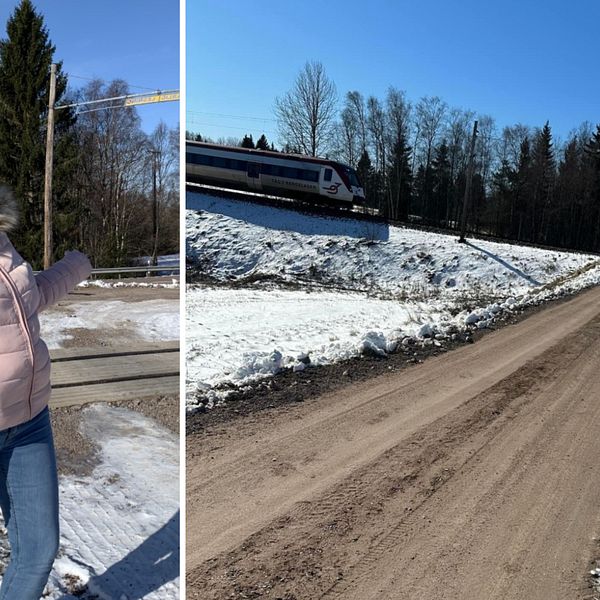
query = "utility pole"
x=463 y=216
x=101 y=104
x=155 y=154
x=48 y=171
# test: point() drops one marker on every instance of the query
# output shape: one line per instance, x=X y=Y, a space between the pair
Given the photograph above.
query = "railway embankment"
x=279 y=290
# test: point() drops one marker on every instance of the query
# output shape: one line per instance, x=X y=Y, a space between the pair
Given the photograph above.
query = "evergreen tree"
x=400 y=180
x=25 y=59
x=369 y=180
x=419 y=193
x=247 y=142
x=502 y=206
x=592 y=152
x=522 y=196
x=441 y=182
x=262 y=143
x=543 y=171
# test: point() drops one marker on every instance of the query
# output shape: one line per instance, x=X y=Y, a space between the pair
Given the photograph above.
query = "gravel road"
x=473 y=475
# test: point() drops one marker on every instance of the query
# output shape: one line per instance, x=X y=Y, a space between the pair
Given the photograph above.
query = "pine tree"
x=262 y=143
x=247 y=142
x=25 y=59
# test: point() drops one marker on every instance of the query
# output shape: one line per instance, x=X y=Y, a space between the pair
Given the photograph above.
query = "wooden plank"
x=60 y=354
x=93 y=370
x=109 y=392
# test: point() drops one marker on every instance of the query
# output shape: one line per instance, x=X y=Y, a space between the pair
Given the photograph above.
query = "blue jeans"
x=29 y=502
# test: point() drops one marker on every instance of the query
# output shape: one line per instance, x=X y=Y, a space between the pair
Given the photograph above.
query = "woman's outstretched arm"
x=62 y=277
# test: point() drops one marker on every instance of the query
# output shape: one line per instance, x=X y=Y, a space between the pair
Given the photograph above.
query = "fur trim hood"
x=9 y=215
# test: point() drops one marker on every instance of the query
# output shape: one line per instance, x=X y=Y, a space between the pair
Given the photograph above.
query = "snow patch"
x=150 y=320
x=120 y=526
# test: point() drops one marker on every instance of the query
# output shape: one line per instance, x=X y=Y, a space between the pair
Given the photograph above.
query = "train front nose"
x=358 y=196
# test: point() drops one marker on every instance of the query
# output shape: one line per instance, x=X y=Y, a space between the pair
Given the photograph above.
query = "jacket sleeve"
x=62 y=277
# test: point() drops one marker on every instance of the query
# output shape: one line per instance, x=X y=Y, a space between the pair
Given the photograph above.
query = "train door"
x=253 y=176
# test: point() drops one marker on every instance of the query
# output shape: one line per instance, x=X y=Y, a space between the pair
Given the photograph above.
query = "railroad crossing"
x=82 y=375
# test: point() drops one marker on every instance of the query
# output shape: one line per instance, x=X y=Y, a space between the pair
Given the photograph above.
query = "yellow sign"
x=152 y=98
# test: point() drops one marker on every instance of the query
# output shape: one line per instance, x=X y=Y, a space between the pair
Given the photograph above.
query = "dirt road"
x=471 y=476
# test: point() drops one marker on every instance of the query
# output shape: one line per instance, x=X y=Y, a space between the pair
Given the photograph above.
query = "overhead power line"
x=237 y=128
x=139 y=87
x=226 y=116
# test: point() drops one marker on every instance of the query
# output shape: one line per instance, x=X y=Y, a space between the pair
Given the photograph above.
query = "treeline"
x=103 y=161
x=246 y=142
x=413 y=160
x=413 y=157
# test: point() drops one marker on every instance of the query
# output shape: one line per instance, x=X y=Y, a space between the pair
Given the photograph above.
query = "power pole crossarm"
x=48 y=171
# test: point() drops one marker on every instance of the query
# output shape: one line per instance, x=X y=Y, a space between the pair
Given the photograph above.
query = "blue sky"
x=134 y=40
x=524 y=61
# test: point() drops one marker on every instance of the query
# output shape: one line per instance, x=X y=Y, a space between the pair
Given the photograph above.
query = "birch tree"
x=306 y=113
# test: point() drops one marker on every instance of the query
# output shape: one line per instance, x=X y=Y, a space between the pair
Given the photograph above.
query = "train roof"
x=268 y=153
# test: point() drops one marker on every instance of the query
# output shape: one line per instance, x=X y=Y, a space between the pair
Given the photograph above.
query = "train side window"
x=267 y=169
x=218 y=162
x=328 y=174
x=197 y=159
x=312 y=175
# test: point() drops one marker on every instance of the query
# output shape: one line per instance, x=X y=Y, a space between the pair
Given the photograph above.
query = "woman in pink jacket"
x=28 y=479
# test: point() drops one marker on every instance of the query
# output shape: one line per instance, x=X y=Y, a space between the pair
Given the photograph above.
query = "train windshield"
x=353 y=177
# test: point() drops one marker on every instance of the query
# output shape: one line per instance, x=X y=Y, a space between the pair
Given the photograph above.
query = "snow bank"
x=415 y=287
x=231 y=240
x=102 y=283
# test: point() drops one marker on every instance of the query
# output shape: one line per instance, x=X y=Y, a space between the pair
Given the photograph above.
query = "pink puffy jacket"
x=24 y=357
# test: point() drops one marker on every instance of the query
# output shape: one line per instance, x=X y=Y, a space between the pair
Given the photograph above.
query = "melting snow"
x=120 y=526
x=363 y=289
x=150 y=320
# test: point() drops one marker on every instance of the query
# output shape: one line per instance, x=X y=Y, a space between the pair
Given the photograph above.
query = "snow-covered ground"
x=111 y=283
x=319 y=290
x=242 y=335
x=150 y=320
x=120 y=526
x=232 y=240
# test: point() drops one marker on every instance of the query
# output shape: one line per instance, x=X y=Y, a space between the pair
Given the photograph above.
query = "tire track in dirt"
x=524 y=449
x=338 y=536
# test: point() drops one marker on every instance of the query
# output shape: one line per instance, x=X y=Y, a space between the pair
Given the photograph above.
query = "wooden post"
x=463 y=217
x=155 y=154
x=48 y=172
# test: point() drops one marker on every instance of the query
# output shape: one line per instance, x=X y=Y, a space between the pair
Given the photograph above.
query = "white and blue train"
x=289 y=175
